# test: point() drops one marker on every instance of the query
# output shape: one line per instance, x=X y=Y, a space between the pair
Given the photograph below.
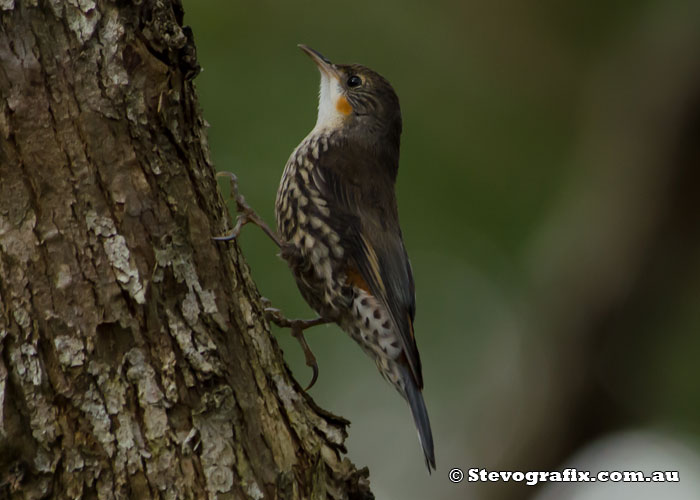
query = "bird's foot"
x=246 y=214
x=297 y=327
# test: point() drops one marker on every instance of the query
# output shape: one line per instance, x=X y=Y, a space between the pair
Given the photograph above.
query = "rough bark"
x=134 y=358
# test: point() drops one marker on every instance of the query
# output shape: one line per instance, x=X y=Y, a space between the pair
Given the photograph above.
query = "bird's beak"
x=324 y=65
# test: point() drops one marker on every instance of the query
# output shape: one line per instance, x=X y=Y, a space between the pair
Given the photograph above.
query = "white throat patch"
x=328 y=114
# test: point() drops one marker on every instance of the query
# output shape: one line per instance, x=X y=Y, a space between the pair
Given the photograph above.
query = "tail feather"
x=420 y=417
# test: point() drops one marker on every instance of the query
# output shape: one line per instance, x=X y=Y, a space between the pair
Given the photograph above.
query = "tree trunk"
x=134 y=358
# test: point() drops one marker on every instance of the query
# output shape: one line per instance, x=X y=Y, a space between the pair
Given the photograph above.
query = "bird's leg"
x=246 y=214
x=298 y=326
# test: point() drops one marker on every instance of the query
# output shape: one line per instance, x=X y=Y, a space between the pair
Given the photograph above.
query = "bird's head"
x=357 y=101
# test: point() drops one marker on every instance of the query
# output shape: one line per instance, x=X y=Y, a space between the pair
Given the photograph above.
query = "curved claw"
x=298 y=333
x=230 y=175
x=226 y=237
x=297 y=326
x=275 y=316
x=314 y=377
x=243 y=218
x=241 y=221
x=232 y=235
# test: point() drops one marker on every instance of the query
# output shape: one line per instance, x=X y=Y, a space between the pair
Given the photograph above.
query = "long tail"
x=420 y=416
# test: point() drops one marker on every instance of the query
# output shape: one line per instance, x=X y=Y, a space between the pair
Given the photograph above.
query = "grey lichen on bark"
x=135 y=361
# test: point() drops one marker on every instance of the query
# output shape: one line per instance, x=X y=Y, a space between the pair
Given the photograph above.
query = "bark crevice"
x=135 y=360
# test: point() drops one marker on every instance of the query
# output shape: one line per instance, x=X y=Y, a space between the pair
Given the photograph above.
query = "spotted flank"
x=371 y=326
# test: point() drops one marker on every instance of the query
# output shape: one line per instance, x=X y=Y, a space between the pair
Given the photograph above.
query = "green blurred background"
x=549 y=198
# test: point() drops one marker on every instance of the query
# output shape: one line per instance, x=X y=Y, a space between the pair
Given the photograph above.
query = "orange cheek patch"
x=343 y=106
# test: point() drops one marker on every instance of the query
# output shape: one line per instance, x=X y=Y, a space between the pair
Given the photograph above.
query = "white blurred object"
x=631 y=451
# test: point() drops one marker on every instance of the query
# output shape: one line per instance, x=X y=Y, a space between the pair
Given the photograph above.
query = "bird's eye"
x=354 y=81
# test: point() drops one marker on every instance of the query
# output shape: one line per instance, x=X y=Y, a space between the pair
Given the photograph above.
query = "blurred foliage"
x=496 y=100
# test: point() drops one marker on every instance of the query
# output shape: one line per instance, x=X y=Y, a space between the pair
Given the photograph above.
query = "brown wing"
x=365 y=216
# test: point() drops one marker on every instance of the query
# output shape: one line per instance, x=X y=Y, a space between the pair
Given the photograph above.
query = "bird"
x=338 y=227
